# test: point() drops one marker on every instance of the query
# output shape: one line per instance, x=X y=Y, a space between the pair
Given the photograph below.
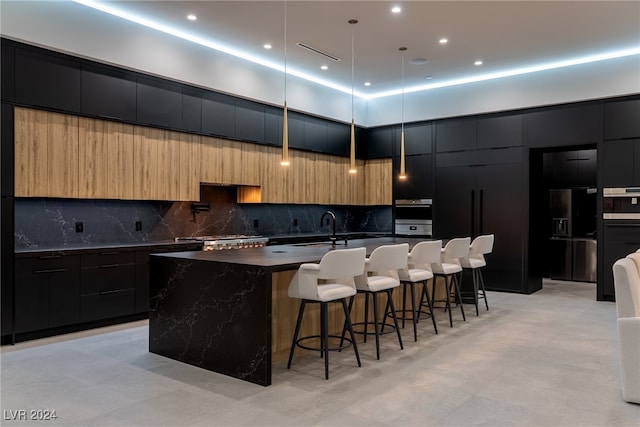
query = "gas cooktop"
x=230 y=241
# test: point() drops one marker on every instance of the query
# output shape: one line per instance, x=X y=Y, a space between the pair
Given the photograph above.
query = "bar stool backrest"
x=425 y=253
x=456 y=249
x=342 y=263
x=388 y=258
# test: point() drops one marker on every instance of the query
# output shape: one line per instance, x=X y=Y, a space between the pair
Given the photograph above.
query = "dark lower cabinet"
x=47 y=292
x=107 y=285
x=487 y=199
x=621 y=237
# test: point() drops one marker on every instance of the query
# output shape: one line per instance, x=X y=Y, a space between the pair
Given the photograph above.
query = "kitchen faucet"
x=333 y=236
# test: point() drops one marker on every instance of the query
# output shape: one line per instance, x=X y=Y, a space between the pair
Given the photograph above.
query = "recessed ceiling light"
x=367 y=83
x=429 y=77
x=444 y=40
x=324 y=67
x=418 y=61
x=477 y=63
x=267 y=46
x=396 y=9
x=191 y=17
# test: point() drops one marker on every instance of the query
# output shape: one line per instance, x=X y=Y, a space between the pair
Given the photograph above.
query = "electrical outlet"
x=138 y=225
x=255 y=223
x=295 y=222
x=79 y=227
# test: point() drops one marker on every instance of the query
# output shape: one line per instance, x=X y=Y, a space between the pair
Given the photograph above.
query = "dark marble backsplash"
x=42 y=223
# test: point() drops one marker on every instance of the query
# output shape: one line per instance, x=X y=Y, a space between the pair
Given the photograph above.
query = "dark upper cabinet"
x=159 y=103
x=338 y=139
x=456 y=135
x=191 y=109
x=273 y=126
x=621 y=163
x=249 y=121
x=380 y=142
x=574 y=168
x=500 y=131
x=419 y=181
x=564 y=126
x=43 y=80
x=6 y=259
x=295 y=123
x=108 y=93
x=361 y=142
x=622 y=119
x=315 y=134
x=218 y=115
x=7 y=89
x=7 y=186
x=417 y=138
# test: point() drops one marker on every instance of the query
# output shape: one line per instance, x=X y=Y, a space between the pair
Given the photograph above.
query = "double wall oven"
x=414 y=217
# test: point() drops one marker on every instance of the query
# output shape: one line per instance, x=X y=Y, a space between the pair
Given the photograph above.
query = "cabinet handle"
x=481 y=213
x=473 y=207
x=578 y=159
x=109 y=253
x=622 y=225
x=51 y=270
x=109 y=265
x=49 y=256
x=115 y=291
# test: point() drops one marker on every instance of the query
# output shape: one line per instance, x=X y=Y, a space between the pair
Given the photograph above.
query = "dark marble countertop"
x=286 y=257
x=30 y=252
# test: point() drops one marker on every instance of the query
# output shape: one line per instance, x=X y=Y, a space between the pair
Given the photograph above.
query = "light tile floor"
x=547 y=359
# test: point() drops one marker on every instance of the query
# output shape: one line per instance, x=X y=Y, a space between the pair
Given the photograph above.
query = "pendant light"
x=403 y=172
x=285 y=125
x=352 y=151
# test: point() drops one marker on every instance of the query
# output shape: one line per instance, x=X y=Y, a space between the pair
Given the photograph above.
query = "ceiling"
x=505 y=35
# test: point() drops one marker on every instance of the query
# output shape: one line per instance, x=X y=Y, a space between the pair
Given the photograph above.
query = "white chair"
x=381 y=269
x=418 y=271
x=449 y=267
x=627 y=288
x=481 y=246
x=339 y=267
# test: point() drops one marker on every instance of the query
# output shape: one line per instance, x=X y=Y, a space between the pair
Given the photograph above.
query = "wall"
x=43 y=223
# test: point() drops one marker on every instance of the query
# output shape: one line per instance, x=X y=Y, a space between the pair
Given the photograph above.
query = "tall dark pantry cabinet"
x=480 y=190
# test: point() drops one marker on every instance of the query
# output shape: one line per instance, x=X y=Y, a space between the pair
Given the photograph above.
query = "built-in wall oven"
x=621 y=203
x=413 y=217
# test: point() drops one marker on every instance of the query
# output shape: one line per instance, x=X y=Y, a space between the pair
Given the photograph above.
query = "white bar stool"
x=418 y=271
x=381 y=269
x=339 y=267
x=475 y=262
x=449 y=267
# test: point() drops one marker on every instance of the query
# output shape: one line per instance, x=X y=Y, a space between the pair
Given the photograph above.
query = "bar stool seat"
x=338 y=268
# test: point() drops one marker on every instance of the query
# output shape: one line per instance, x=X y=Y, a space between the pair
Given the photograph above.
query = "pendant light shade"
x=352 y=150
x=403 y=172
x=285 y=125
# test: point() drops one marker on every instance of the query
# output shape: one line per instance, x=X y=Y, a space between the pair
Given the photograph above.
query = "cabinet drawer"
x=47 y=264
x=626 y=231
x=107 y=278
x=107 y=258
x=106 y=305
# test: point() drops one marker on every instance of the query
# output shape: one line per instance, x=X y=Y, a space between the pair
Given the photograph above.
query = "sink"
x=313 y=244
x=321 y=244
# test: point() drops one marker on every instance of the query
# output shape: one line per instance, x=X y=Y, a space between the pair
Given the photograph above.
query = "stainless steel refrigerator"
x=572 y=253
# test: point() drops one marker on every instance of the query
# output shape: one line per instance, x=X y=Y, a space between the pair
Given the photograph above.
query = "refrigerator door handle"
x=473 y=209
x=481 y=210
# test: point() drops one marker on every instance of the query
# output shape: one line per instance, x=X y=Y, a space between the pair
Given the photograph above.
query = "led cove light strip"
x=514 y=72
x=301 y=74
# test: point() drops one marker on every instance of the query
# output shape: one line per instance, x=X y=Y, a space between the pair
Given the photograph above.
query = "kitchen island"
x=228 y=311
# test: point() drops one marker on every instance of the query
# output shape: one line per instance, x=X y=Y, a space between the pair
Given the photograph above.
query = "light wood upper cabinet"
x=46 y=154
x=59 y=155
x=106 y=159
